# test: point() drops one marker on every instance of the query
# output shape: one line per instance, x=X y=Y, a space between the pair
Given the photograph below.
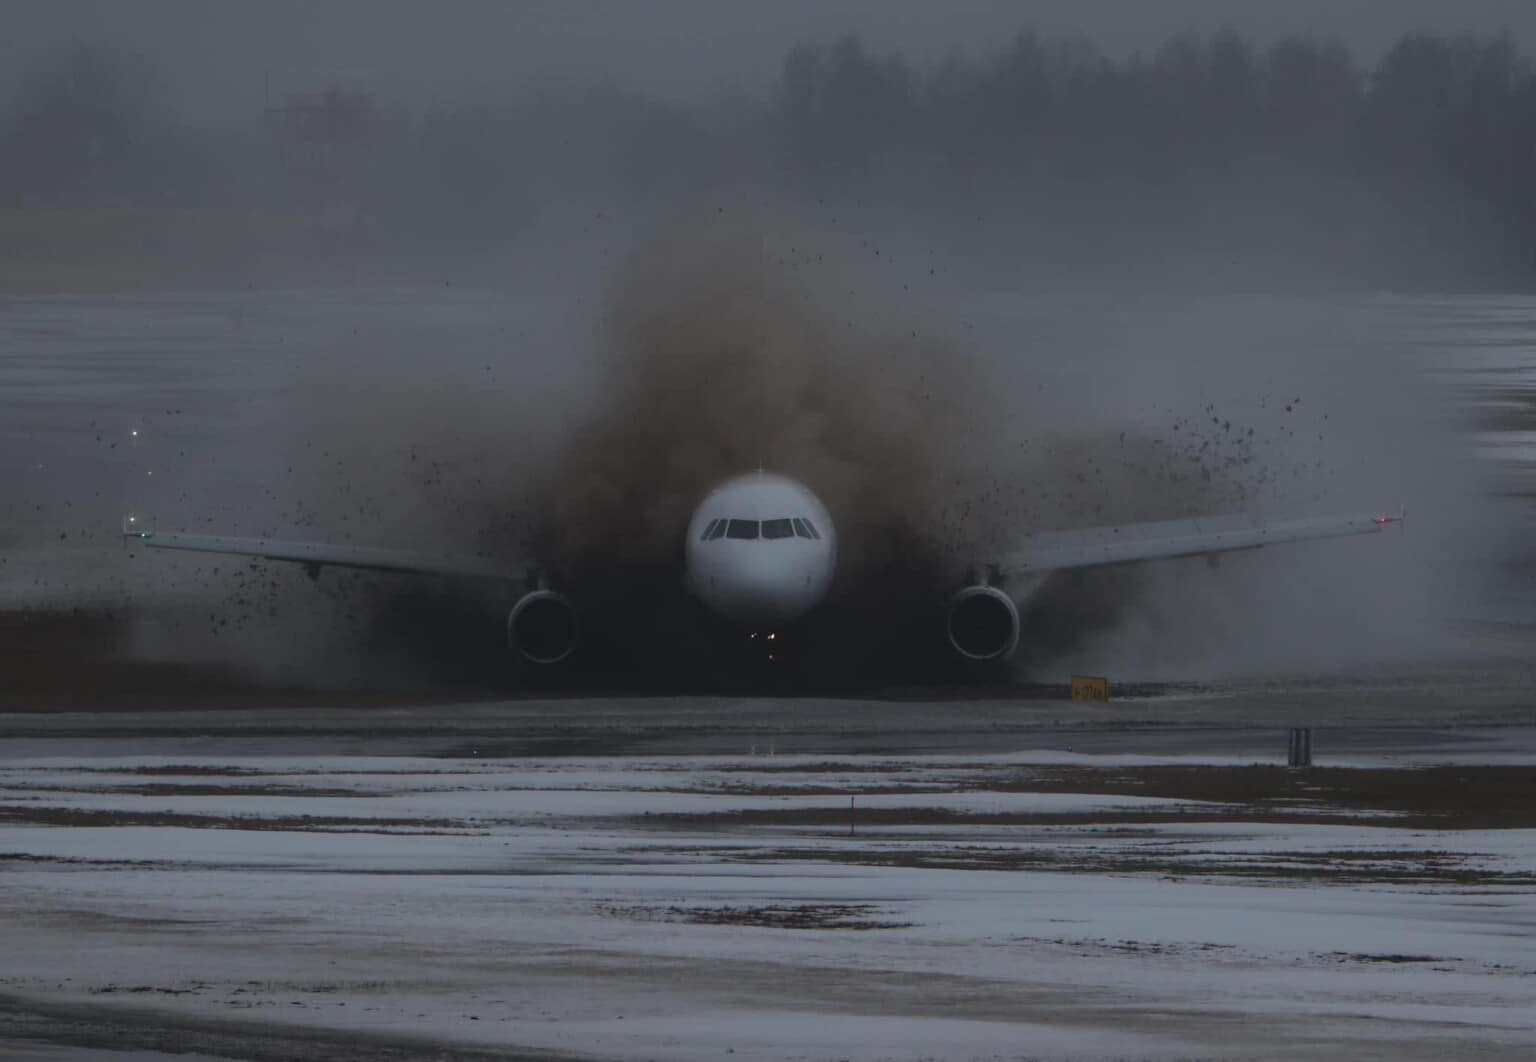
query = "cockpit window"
x=784 y=527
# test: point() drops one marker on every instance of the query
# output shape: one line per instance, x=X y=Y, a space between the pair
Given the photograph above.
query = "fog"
x=224 y=57
x=1033 y=157
x=964 y=284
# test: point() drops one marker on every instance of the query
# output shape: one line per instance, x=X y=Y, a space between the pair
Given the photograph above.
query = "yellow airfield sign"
x=1090 y=688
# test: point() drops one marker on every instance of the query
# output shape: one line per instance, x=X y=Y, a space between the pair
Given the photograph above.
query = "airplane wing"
x=1201 y=536
x=316 y=555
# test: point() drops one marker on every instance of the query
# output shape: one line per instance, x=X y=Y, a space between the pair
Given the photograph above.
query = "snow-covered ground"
x=688 y=907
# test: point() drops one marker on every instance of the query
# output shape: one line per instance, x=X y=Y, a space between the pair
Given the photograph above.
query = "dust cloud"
x=735 y=341
x=723 y=341
x=731 y=340
x=937 y=428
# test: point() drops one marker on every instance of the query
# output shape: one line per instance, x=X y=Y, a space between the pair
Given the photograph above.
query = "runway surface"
x=1473 y=709
x=683 y=878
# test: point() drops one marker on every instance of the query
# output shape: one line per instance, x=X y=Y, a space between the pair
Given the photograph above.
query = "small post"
x=850 y=814
x=1299 y=753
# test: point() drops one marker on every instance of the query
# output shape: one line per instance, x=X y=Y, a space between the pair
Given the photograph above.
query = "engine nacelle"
x=982 y=623
x=543 y=627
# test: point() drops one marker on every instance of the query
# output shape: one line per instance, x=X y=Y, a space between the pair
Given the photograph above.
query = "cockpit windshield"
x=783 y=527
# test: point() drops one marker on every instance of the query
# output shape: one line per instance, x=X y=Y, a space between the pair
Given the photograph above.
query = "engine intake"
x=543 y=627
x=982 y=623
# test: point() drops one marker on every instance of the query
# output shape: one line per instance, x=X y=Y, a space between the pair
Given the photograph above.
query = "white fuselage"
x=761 y=551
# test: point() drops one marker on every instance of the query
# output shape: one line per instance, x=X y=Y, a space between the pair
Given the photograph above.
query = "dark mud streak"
x=1422 y=798
x=855 y=916
x=901 y=852
x=56 y=816
x=119 y=1027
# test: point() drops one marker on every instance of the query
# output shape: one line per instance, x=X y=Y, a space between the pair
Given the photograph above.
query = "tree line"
x=1210 y=154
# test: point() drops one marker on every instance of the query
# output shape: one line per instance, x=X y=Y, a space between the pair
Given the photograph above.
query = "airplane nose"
x=761 y=595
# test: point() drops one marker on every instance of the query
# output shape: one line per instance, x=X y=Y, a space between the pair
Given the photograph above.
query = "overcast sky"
x=220 y=56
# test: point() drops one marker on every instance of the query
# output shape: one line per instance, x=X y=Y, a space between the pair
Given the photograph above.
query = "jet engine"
x=982 y=623
x=543 y=627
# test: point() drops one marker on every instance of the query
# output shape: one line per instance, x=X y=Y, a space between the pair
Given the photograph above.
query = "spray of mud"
x=732 y=341
x=727 y=342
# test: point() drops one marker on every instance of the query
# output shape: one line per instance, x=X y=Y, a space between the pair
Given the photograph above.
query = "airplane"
x=761 y=553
